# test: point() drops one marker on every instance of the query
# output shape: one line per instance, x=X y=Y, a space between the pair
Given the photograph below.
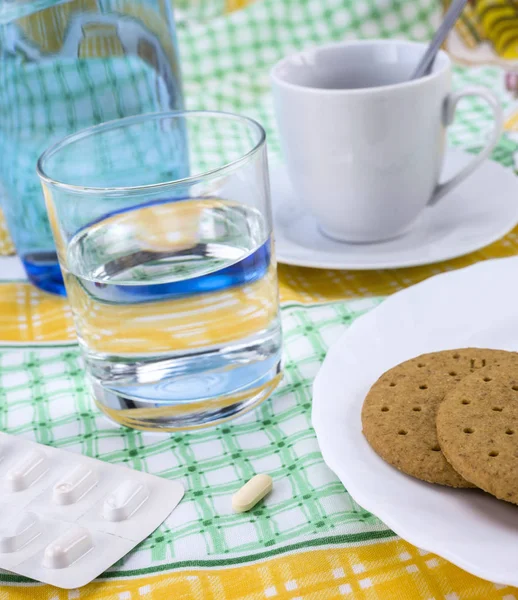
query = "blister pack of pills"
x=66 y=518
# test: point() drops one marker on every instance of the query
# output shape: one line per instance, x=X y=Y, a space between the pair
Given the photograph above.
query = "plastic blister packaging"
x=66 y=518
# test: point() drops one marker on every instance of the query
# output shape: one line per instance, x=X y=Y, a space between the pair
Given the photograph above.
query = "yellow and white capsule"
x=252 y=492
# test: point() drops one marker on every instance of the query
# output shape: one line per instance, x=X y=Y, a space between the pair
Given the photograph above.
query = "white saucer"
x=475 y=306
x=478 y=212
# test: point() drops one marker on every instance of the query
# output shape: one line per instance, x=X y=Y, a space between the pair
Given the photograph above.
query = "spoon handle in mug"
x=426 y=62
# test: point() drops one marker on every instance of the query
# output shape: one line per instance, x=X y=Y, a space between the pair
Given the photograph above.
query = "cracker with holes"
x=477 y=427
x=400 y=410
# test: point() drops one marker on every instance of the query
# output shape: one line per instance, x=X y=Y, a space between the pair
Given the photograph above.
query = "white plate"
x=478 y=212
x=476 y=306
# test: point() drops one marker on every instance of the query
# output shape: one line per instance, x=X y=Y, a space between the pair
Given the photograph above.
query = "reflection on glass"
x=66 y=66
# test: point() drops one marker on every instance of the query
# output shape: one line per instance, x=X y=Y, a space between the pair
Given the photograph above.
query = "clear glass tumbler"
x=163 y=229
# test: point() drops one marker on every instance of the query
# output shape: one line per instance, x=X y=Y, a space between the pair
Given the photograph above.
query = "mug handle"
x=449 y=113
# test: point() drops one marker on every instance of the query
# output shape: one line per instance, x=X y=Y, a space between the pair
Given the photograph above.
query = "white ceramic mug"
x=364 y=145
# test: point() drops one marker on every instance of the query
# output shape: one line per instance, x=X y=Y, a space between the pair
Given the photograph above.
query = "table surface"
x=310 y=540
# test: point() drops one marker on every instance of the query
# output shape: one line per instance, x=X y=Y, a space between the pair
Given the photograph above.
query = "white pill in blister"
x=74 y=485
x=20 y=530
x=67 y=549
x=25 y=472
x=253 y=491
x=125 y=500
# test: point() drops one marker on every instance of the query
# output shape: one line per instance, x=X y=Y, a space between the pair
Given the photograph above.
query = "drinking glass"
x=163 y=230
x=66 y=65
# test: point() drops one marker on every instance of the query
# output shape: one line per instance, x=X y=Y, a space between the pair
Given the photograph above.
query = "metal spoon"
x=426 y=63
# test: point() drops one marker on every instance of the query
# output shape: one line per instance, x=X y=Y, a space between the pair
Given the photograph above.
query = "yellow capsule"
x=251 y=493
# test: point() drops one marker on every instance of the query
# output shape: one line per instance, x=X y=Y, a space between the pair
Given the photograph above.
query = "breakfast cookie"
x=399 y=412
x=477 y=428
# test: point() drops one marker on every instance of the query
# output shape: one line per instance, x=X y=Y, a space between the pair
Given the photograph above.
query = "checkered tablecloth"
x=309 y=539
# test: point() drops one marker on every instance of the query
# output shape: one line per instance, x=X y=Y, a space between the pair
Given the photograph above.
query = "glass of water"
x=163 y=229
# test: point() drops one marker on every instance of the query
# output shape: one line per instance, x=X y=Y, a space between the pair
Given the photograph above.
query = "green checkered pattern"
x=226 y=60
x=199 y=10
x=43 y=398
x=42 y=103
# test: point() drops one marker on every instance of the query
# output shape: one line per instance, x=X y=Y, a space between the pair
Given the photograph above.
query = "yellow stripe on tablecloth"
x=392 y=570
x=179 y=323
x=28 y=315
x=232 y=5
x=299 y=284
x=6 y=244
